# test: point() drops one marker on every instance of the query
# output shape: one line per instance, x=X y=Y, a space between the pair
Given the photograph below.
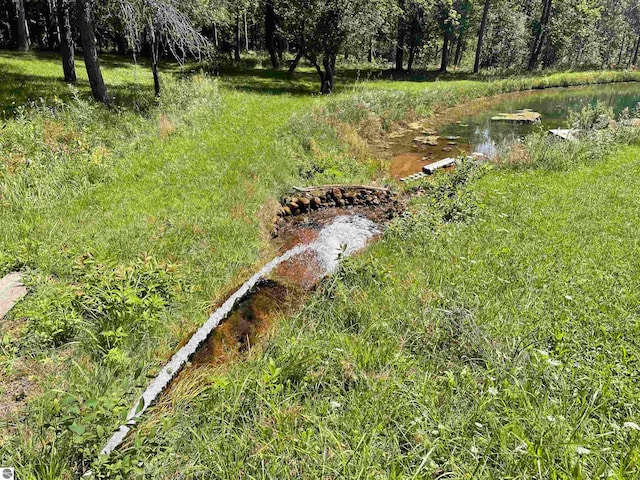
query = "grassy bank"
x=131 y=221
x=490 y=334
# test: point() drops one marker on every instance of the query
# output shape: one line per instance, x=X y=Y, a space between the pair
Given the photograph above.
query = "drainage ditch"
x=312 y=246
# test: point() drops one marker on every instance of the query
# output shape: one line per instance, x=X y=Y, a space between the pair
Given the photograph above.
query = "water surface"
x=470 y=128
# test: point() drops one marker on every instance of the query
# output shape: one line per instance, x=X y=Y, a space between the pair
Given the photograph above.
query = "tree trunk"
x=51 y=20
x=215 y=35
x=246 y=32
x=90 y=52
x=541 y=34
x=156 y=56
x=23 y=30
x=295 y=62
x=270 y=32
x=370 y=53
x=236 y=47
x=400 y=46
x=624 y=41
x=445 y=54
x=121 y=44
x=412 y=56
x=635 y=53
x=483 y=28
x=67 y=45
x=328 y=81
x=459 y=43
x=327 y=77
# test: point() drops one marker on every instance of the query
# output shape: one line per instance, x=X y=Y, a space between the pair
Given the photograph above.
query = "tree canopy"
x=443 y=34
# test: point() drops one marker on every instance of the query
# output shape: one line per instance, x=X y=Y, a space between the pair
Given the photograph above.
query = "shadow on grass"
x=130 y=82
x=36 y=77
x=21 y=89
x=305 y=81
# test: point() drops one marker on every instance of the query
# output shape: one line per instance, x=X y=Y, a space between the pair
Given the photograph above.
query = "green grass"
x=132 y=220
x=500 y=345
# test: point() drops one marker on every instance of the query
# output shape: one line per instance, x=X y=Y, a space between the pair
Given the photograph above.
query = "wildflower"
x=631 y=425
x=493 y=391
x=582 y=451
x=335 y=404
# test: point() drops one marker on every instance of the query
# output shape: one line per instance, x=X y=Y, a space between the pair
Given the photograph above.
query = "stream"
x=236 y=323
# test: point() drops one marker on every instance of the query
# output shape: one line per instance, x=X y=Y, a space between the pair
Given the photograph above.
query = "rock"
x=316 y=201
x=452 y=143
x=293 y=205
x=631 y=122
x=415 y=126
x=397 y=134
x=337 y=194
x=520 y=116
x=565 y=134
x=11 y=290
x=431 y=140
x=304 y=201
x=286 y=211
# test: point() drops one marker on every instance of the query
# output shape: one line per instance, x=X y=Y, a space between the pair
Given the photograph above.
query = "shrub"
x=123 y=302
x=51 y=318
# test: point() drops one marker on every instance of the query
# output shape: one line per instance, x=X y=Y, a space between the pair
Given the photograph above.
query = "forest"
x=498 y=35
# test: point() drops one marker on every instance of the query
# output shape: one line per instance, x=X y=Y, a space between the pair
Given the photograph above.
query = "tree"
x=464 y=9
x=632 y=14
x=540 y=34
x=448 y=18
x=163 y=27
x=90 y=51
x=318 y=29
x=22 y=29
x=483 y=28
x=270 y=26
x=67 y=45
x=401 y=33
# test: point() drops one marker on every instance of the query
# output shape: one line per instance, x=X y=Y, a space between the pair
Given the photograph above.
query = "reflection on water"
x=487 y=136
x=476 y=132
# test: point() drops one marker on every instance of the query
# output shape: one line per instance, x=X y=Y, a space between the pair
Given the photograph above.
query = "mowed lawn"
x=502 y=346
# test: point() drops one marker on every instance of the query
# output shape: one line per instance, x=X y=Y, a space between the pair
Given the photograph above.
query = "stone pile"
x=319 y=198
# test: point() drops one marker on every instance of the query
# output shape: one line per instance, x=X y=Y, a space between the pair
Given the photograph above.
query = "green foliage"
x=600 y=137
x=592 y=117
x=440 y=199
x=123 y=301
x=508 y=336
x=52 y=319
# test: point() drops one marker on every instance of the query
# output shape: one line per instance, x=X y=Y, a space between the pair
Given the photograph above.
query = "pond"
x=469 y=128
